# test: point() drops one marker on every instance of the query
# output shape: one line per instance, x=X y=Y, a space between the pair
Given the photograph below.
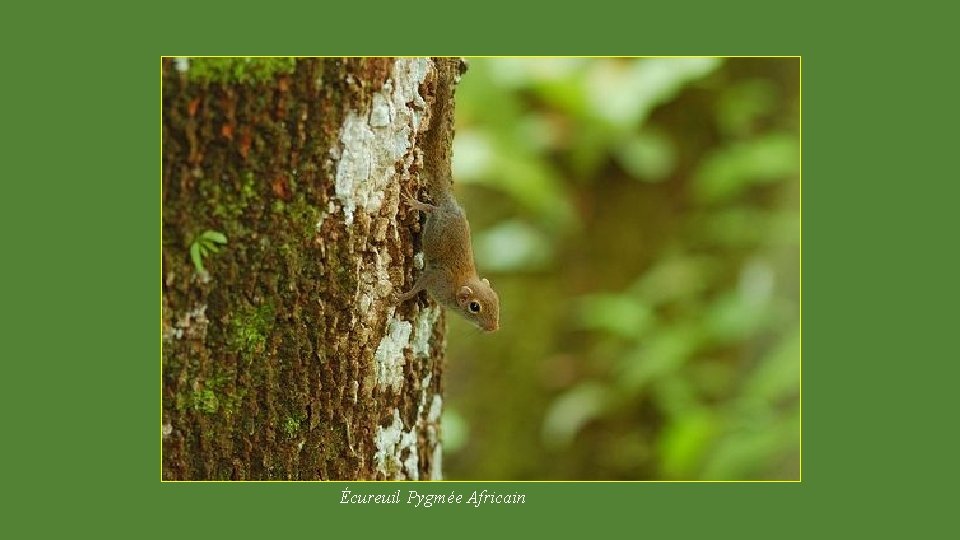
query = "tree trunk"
x=283 y=356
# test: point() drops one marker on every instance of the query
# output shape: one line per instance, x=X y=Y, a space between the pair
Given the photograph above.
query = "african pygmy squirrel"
x=449 y=273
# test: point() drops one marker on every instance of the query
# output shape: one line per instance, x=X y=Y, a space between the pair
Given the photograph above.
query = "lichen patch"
x=436 y=408
x=389 y=359
x=374 y=140
x=391 y=442
x=191 y=324
x=424 y=331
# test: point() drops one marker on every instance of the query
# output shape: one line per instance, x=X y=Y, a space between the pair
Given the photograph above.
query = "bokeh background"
x=640 y=219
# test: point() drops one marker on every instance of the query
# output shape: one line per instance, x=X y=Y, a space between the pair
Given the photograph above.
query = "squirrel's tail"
x=438 y=138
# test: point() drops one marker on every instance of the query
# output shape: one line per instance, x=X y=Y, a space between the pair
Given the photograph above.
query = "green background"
x=81 y=216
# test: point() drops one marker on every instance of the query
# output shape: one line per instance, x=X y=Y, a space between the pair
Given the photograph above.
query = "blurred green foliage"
x=641 y=221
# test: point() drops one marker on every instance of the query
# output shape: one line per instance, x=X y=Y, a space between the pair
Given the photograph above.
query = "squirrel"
x=449 y=273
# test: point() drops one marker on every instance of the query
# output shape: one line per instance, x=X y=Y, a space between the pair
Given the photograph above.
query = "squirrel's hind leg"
x=418 y=286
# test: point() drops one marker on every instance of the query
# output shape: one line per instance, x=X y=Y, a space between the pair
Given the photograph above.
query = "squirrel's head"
x=479 y=304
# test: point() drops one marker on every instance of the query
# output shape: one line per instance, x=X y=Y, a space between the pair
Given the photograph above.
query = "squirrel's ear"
x=485 y=282
x=464 y=294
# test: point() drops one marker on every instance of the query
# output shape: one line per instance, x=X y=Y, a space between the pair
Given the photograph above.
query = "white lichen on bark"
x=192 y=324
x=375 y=140
x=391 y=442
x=436 y=408
x=389 y=358
x=424 y=323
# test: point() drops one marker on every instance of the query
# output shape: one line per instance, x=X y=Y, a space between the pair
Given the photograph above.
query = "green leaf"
x=623 y=94
x=572 y=410
x=618 y=314
x=195 y=256
x=513 y=245
x=214 y=236
x=647 y=156
x=663 y=354
x=685 y=441
x=730 y=170
x=778 y=376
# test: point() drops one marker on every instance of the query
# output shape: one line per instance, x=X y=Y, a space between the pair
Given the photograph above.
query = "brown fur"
x=449 y=273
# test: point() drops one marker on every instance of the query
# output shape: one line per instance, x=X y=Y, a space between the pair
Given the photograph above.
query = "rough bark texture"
x=284 y=357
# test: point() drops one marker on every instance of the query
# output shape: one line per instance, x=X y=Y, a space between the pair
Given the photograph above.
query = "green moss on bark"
x=250 y=327
x=237 y=70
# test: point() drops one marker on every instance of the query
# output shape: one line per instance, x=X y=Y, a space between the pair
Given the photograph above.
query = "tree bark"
x=283 y=356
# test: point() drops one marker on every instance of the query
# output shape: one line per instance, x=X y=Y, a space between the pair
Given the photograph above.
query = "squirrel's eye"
x=474 y=307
